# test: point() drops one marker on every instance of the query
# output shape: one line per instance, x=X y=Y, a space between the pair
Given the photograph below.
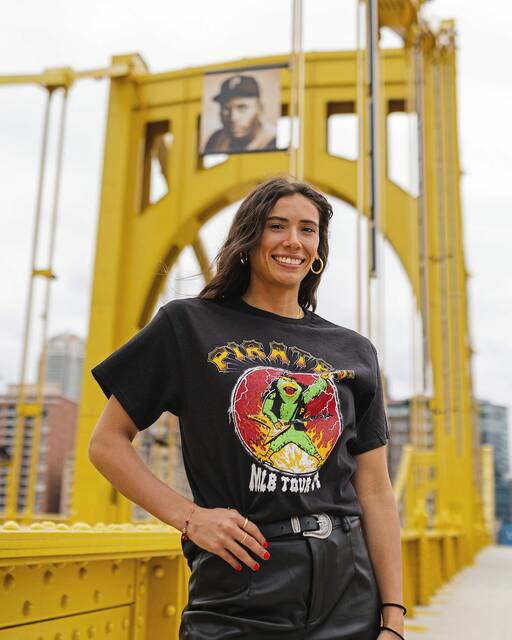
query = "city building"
x=57 y=437
x=493 y=428
x=398 y=420
x=159 y=446
x=64 y=365
x=410 y=422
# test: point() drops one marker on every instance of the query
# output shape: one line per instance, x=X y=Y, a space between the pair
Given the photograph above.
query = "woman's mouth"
x=288 y=263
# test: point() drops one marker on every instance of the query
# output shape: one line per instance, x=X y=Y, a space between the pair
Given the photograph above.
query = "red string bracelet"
x=184 y=535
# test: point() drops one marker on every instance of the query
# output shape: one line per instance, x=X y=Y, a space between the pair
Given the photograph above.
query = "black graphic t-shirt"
x=271 y=409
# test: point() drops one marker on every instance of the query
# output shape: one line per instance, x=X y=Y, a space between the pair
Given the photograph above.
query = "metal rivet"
x=91 y=632
x=97 y=595
x=158 y=572
x=64 y=601
x=82 y=573
x=169 y=610
x=130 y=591
x=27 y=608
x=140 y=621
x=115 y=569
x=109 y=627
x=142 y=588
x=125 y=623
x=48 y=577
x=8 y=581
x=76 y=635
x=143 y=569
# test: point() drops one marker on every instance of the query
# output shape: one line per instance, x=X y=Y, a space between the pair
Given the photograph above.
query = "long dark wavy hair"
x=232 y=277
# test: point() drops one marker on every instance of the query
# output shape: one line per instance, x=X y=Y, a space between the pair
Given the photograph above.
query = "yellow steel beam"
x=398 y=15
x=50 y=541
x=64 y=77
x=107 y=581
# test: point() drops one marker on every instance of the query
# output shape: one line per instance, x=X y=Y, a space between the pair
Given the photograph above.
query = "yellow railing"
x=125 y=581
x=115 y=581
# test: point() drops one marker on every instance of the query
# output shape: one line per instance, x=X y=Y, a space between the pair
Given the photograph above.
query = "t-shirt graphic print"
x=294 y=428
x=288 y=421
x=272 y=410
x=285 y=417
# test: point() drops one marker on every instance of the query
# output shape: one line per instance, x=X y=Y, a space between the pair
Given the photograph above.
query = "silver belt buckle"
x=324 y=526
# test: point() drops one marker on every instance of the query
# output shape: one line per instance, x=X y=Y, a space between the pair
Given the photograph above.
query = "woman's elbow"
x=93 y=450
x=97 y=448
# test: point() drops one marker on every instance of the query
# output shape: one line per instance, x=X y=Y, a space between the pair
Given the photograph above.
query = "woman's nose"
x=292 y=238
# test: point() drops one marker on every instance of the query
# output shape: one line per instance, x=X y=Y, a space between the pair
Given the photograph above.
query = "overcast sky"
x=35 y=36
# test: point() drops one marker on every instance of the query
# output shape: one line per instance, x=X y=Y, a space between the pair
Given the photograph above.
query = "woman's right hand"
x=220 y=531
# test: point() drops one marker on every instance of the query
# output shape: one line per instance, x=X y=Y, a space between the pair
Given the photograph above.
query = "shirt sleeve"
x=144 y=374
x=372 y=428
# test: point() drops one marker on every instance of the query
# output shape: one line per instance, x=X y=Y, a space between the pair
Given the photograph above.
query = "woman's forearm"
x=381 y=528
x=116 y=459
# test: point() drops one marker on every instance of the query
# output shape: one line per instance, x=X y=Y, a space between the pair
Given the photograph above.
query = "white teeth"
x=287 y=260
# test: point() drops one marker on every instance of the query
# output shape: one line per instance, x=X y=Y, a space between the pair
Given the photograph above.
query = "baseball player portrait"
x=244 y=125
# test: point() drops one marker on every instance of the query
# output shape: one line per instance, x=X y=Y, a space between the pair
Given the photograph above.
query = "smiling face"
x=291 y=230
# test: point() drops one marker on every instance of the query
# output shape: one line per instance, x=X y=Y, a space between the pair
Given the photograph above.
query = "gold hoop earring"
x=321 y=268
x=243 y=259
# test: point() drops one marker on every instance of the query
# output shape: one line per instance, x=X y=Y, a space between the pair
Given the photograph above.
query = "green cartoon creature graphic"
x=284 y=413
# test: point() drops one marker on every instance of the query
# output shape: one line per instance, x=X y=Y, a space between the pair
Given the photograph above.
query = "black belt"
x=317 y=525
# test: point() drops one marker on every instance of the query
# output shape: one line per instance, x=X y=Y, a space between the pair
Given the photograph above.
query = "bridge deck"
x=476 y=604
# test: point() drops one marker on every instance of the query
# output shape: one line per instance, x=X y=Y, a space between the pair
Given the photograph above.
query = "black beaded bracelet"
x=394 y=604
x=392 y=631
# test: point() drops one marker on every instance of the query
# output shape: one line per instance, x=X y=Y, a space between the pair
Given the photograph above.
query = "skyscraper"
x=494 y=430
x=64 y=365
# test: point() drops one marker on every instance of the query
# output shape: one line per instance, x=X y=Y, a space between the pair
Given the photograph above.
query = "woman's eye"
x=280 y=226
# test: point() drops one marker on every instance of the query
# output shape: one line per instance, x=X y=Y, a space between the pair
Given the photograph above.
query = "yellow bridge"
x=95 y=574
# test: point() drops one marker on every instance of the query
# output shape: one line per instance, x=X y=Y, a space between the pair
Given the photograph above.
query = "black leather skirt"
x=309 y=589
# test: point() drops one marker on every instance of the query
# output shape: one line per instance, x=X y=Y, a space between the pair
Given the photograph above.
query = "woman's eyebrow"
x=286 y=220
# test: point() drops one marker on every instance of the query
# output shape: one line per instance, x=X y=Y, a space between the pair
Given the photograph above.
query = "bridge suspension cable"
x=374 y=138
x=34 y=408
x=297 y=93
x=361 y=165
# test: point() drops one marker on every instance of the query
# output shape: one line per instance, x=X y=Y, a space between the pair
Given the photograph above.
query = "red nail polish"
x=266 y=555
x=238 y=568
x=265 y=544
x=256 y=567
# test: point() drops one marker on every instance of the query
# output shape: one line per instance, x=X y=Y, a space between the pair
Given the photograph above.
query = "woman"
x=294 y=530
